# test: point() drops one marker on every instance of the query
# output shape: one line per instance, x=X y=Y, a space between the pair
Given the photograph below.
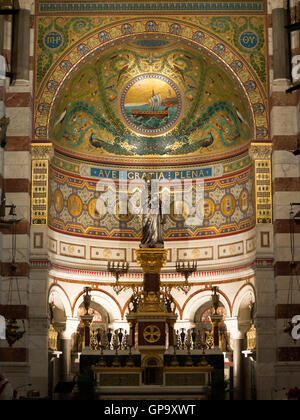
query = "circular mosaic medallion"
x=249 y=39
x=53 y=40
x=209 y=208
x=120 y=215
x=74 y=205
x=97 y=209
x=228 y=205
x=151 y=104
x=180 y=211
x=244 y=201
x=58 y=201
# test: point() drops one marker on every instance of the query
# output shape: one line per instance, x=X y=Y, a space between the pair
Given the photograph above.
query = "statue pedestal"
x=153 y=321
x=152 y=260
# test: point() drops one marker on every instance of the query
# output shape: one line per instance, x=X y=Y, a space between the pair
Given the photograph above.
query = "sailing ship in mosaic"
x=151 y=104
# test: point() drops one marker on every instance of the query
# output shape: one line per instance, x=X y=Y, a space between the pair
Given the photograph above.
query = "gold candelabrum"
x=215 y=317
x=186 y=269
x=118 y=269
x=87 y=319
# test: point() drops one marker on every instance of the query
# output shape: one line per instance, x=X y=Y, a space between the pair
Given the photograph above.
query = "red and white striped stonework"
x=280 y=354
x=22 y=362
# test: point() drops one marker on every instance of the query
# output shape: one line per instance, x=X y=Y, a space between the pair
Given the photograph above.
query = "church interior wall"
x=244 y=244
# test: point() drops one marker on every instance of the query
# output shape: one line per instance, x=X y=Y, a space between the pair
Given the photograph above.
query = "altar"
x=153 y=361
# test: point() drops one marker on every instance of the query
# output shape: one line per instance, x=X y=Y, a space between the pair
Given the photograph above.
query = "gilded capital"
x=41 y=151
x=260 y=151
x=151 y=260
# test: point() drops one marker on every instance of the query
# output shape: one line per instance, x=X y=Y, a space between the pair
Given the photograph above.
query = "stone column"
x=238 y=338
x=38 y=278
x=53 y=371
x=238 y=343
x=66 y=348
x=280 y=41
x=265 y=329
x=21 y=46
x=1 y=34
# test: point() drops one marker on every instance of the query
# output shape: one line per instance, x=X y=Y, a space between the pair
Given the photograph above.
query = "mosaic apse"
x=186 y=106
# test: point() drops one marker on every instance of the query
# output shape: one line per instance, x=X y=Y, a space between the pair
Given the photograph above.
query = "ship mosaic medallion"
x=151 y=104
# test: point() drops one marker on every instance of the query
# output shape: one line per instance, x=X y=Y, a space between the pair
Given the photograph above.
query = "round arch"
x=100 y=39
x=57 y=289
x=104 y=299
x=200 y=298
x=245 y=291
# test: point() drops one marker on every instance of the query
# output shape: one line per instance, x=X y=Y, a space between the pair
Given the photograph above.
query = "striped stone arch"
x=199 y=38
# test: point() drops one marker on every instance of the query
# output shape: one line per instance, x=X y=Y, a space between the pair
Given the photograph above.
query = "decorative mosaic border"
x=152 y=7
x=89 y=170
x=262 y=155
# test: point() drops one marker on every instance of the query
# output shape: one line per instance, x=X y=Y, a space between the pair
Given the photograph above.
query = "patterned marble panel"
x=108 y=254
x=72 y=250
x=52 y=245
x=251 y=244
x=197 y=254
x=234 y=249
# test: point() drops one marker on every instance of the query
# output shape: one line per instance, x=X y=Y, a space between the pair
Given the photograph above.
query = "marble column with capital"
x=66 y=348
x=238 y=339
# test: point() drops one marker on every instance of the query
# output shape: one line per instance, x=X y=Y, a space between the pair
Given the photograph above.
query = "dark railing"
x=184 y=340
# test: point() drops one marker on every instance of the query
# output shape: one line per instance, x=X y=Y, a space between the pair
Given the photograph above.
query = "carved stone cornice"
x=260 y=151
